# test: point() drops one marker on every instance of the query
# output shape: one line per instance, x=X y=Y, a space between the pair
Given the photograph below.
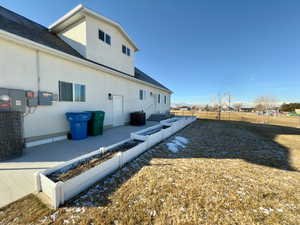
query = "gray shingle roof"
x=23 y=27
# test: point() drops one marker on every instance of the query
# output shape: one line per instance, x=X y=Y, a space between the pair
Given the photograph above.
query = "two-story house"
x=85 y=61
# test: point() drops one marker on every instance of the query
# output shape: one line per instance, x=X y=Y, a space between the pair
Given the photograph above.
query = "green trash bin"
x=95 y=124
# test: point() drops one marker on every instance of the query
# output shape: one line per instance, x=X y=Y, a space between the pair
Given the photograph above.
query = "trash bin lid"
x=97 y=115
x=78 y=116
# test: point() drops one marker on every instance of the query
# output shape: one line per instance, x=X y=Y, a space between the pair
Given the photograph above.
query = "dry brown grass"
x=229 y=173
x=245 y=117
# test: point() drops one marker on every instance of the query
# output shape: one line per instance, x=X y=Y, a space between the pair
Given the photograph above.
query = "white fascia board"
x=66 y=16
x=81 y=9
x=31 y=44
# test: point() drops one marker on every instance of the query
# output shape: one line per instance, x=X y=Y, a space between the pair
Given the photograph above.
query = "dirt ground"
x=228 y=173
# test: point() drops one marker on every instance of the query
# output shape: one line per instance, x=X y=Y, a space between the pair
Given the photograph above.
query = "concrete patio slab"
x=16 y=176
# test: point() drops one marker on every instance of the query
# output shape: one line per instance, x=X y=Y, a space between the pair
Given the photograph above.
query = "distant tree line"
x=290 y=107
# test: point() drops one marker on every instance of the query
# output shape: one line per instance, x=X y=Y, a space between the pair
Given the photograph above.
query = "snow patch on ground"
x=172 y=147
x=177 y=143
x=183 y=140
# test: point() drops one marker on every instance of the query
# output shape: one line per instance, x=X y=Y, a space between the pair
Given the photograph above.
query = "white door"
x=118 y=111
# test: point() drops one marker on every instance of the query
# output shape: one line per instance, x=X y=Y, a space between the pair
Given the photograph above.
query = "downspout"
x=38 y=70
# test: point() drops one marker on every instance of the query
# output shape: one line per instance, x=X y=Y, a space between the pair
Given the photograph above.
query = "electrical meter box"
x=17 y=100
x=45 y=98
x=12 y=100
x=4 y=100
x=32 y=102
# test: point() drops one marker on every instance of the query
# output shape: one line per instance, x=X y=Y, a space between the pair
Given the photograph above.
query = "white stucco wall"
x=75 y=36
x=110 y=55
x=18 y=69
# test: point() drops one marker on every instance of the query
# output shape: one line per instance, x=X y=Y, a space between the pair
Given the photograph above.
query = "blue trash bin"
x=78 y=124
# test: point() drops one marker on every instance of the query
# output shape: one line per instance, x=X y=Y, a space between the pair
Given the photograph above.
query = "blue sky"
x=199 y=48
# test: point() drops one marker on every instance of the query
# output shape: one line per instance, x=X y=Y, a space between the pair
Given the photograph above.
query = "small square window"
x=128 y=51
x=101 y=35
x=107 y=39
x=124 y=49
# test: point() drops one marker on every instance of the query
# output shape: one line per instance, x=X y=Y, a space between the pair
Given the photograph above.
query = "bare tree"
x=238 y=106
x=265 y=103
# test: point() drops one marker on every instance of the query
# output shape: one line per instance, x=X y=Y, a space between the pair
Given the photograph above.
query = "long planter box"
x=59 y=192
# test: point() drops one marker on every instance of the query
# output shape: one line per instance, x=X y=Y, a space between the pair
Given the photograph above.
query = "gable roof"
x=144 y=77
x=81 y=11
x=18 y=25
x=21 y=26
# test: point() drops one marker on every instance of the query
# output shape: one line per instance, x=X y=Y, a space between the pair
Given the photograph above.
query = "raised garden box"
x=65 y=181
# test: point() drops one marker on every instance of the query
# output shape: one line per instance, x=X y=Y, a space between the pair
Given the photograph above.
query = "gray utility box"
x=4 y=100
x=45 y=98
x=18 y=100
x=12 y=100
x=32 y=102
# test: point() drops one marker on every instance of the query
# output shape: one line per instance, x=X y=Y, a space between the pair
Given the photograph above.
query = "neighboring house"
x=184 y=108
x=84 y=59
x=247 y=109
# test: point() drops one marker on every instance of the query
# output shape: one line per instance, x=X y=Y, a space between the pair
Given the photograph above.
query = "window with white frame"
x=125 y=50
x=142 y=94
x=79 y=92
x=165 y=99
x=104 y=37
x=158 y=98
x=65 y=91
x=69 y=92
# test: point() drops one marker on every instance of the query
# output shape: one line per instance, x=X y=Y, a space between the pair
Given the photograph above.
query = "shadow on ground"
x=253 y=143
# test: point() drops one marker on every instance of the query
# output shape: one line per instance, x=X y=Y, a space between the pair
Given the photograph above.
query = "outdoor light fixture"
x=109 y=96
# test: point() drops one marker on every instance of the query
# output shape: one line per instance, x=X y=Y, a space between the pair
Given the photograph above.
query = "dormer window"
x=125 y=50
x=101 y=35
x=107 y=39
x=104 y=37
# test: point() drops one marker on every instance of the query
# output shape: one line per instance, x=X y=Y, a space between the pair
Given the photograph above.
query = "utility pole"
x=229 y=102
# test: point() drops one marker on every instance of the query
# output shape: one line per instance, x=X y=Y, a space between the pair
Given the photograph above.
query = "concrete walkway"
x=16 y=176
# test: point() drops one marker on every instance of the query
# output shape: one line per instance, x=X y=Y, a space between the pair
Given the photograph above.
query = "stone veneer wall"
x=11 y=135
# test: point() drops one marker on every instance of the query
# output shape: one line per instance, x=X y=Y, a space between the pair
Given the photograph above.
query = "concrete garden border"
x=59 y=192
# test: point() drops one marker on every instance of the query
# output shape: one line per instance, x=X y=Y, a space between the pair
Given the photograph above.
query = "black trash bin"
x=138 y=118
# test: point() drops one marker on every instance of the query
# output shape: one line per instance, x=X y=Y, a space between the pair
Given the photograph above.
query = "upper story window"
x=165 y=99
x=107 y=39
x=101 y=35
x=125 y=50
x=104 y=37
x=158 y=98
